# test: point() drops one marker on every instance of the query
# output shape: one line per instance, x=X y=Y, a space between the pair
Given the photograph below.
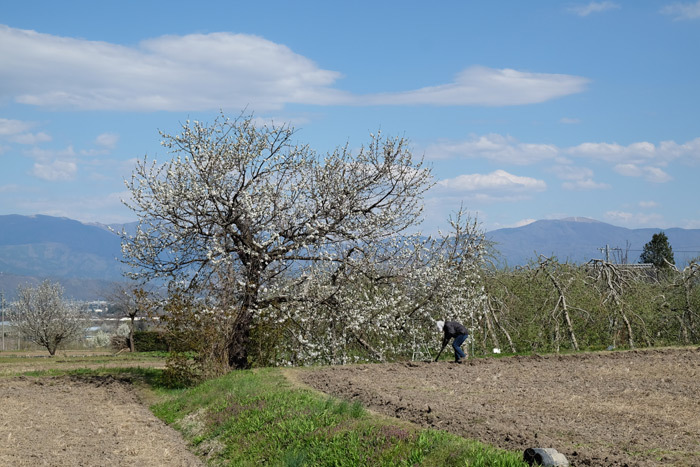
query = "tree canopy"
x=258 y=221
x=658 y=252
x=44 y=317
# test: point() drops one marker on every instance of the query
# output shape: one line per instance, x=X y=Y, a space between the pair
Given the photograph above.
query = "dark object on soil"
x=545 y=457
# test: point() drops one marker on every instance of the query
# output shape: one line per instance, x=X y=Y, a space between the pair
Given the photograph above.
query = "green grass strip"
x=257 y=417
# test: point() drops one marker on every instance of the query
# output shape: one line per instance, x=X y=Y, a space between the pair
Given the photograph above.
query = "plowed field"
x=87 y=422
x=636 y=408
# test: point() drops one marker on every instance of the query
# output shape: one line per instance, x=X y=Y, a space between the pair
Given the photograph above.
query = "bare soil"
x=72 y=421
x=635 y=408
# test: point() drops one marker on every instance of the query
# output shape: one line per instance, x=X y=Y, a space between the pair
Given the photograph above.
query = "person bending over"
x=453 y=329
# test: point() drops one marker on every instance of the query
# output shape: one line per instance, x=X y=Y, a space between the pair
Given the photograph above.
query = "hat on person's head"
x=440 y=325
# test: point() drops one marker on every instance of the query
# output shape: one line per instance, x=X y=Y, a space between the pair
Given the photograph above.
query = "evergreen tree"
x=658 y=251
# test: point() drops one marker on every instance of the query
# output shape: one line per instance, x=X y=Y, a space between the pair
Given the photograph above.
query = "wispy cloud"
x=82 y=208
x=648 y=204
x=632 y=219
x=107 y=140
x=577 y=178
x=524 y=222
x=683 y=11
x=639 y=159
x=487 y=87
x=571 y=172
x=649 y=173
x=219 y=70
x=30 y=138
x=53 y=165
x=494 y=147
x=57 y=170
x=585 y=184
x=104 y=142
x=593 y=7
x=14 y=127
x=17 y=131
x=499 y=180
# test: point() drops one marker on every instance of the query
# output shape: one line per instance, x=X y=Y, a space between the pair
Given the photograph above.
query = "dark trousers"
x=457 y=345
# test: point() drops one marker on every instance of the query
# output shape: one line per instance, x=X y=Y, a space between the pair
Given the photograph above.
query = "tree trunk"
x=569 y=325
x=503 y=330
x=630 y=337
x=489 y=326
x=565 y=310
x=240 y=339
x=132 y=346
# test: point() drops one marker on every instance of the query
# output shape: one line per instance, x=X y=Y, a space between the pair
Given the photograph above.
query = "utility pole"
x=607 y=250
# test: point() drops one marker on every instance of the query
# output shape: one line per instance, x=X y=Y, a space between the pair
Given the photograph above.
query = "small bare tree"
x=132 y=302
x=560 y=280
x=45 y=318
x=686 y=314
x=615 y=284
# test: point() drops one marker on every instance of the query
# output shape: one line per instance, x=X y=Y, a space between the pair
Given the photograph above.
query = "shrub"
x=180 y=371
x=150 y=341
x=119 y=343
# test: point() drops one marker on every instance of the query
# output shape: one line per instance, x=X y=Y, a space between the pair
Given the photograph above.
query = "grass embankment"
x=257 y=417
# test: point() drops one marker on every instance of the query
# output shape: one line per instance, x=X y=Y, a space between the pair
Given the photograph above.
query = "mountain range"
x=579 y=239
x=85 y=258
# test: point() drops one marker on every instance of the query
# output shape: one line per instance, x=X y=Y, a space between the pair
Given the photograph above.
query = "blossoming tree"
x=43 y=317
x=246 y=199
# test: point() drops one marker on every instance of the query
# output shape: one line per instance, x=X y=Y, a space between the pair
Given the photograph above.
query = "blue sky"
x=524 y=110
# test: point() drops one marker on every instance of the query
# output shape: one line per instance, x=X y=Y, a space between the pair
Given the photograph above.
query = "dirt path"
x=83 y=422
x=638 y=408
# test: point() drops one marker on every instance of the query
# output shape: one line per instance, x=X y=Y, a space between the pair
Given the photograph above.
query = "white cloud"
x=648 y=204
x=192 y=72
x=642 y=151
x=13 y=127
x=30 y=138
x=584 y=185
x=107 y=140
x=524 y=222
x=107 y=208
x=577 y=178
x=219 y=70
x=499 y=180
x=631 y=219
x=638 y=159
x=593 y=7
x=48 y=154
x=638 y=153
x=493 y=147
x=57 y=170
x=484 y=86
x=651 y=174
x=571 y=172
x=11 y=188
x=681 y=11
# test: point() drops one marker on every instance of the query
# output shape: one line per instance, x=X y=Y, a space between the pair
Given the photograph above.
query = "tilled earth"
x=71 y=421
x=636 y=408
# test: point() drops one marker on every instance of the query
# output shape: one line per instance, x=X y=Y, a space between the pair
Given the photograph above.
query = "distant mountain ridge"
x=579 y=239
x=85 y=258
